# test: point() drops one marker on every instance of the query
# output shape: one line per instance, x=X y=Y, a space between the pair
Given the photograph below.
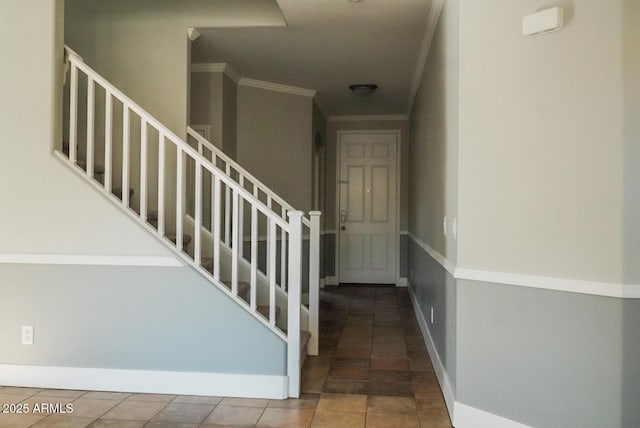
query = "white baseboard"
x=462 y=415
x=145 y=381
x=402 y=282
x=441 y=374
x=471 y=417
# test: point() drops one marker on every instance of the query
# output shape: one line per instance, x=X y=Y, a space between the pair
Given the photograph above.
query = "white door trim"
x=398 y=134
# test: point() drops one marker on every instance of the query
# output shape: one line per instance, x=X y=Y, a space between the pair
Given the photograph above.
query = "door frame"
x=398 y=134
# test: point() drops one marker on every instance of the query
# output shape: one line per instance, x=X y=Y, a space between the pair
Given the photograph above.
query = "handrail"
x=245 y=174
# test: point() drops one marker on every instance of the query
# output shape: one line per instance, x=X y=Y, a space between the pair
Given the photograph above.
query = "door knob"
x=343 y=228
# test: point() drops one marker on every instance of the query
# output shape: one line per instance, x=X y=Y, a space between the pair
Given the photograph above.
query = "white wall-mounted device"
x=543 y=22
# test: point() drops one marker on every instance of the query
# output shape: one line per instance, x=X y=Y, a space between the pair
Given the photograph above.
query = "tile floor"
x=372 y=371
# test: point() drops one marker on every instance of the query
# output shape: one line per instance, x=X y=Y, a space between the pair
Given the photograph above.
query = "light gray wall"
x=542 y=358
x=143 y=318
x=47 y=208
x=274 y=141
x=630 y=363
x=433 y=155
x=541 y=133
x=435 y=288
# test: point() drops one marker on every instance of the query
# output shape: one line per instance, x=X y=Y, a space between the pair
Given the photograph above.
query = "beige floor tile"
x=197 y=399
x=19 y=421
x=306 y=401
x=234 y=415
x=102 y=395
x=64 y=421
x=429 y=421
x=329 y=419
x=290 y=418
x=13 y=398
x=17 y=390
x=160 y=398
x=111 y=423
x=383 y=404
x=61 y=393
x=85 y=407
x=245 y=402
x=135 y=410
x=392 y=420
x=185 y=412
x=342 y=403
x=159 y=424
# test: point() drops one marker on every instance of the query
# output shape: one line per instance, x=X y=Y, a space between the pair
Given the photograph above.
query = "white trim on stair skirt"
x=145 y=381
x=595 y=288
x=94 y=260
x=462 y=415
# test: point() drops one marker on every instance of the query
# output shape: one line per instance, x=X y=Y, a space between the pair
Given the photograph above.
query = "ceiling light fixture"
x=363 y=89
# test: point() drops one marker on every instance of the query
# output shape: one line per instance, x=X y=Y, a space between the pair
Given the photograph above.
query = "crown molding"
x=276 y=87
x=369 y=117
x=432 y=22
x=216 y=67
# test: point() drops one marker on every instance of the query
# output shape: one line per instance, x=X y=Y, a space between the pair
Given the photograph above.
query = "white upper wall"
x=44 y=206
x=541 y=141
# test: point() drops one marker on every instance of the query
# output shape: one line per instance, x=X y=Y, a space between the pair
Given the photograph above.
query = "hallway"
x=373 y=369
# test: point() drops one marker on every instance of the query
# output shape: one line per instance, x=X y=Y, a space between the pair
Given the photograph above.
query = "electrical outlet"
x=444 y=226
x=432 y=315
x=27 y=335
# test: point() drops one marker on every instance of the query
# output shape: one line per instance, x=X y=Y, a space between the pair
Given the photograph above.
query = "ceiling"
x=326 y=46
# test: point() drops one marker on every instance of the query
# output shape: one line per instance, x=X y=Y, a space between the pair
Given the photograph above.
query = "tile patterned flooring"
x=373 y=371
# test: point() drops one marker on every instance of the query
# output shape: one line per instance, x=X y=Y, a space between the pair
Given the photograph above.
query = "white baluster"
x=283 y=255
x=227 y=208
x=272 y=236
x=241 y=223
x=197 y=251
x=314 y=282
x=73 y=113
x=215 y=224
x=293 y=303
x=234 y=243
x=179 y=185
x=161 y=174
x=108 y=139
x=254 y=255
x=91 y=90
x=126 y=133
x=143 y=170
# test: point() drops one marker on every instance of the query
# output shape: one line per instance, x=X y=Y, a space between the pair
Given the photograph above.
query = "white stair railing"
x=310 y=226
x=130 y=141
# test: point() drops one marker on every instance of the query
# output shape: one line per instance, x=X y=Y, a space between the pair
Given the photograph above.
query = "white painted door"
x=367 y=213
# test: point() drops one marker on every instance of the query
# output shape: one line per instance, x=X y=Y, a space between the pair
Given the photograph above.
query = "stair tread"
x=186 y=239
x=97 y=168
x=243 y=287
x=118 y=192
x=264 y=310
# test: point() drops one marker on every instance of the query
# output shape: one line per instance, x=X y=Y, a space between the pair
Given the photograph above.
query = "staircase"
x=219 y=219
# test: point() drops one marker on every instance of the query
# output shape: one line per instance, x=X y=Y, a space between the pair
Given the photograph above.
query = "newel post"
x=314 y=282
x=293 y=304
